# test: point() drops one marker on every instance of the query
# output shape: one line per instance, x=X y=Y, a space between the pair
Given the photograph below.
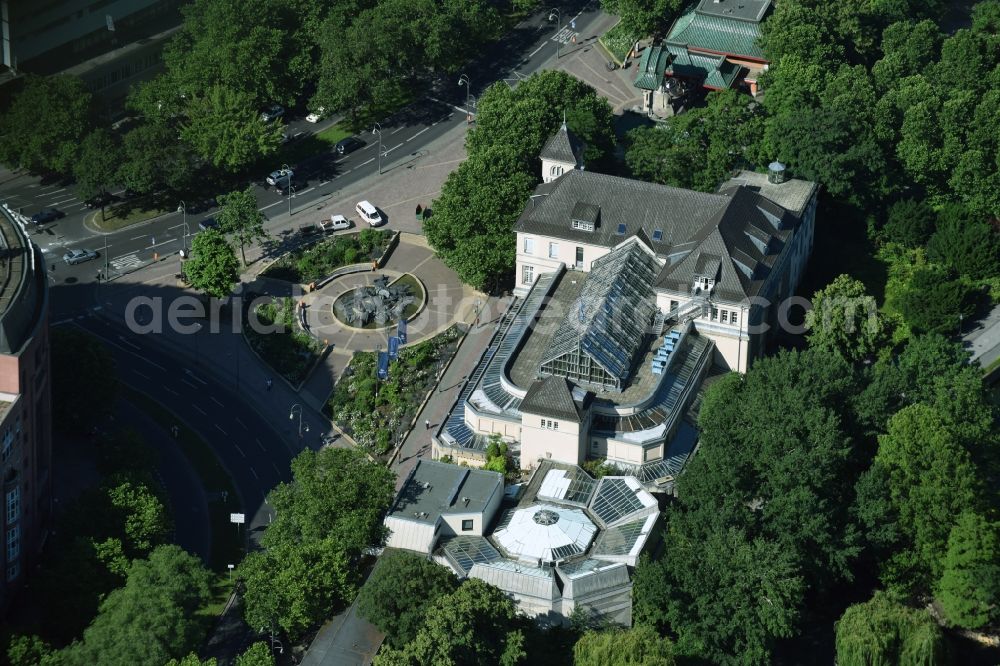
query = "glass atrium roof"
x=545 y=532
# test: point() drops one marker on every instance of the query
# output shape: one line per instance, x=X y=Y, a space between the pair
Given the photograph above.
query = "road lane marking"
x=237 y=447
x=390 y=150
x=276 y=470
x=140 y=374
x=126 y=342
x=532 y=55
x=237 y=419
x=418 y=134
x=364 y=163
x=261 y=446
x=213 y=398
x=276 y=203
x=254 y=473
x=219 y=428
x=202 y=411
x=198 y=379
x=398 y=130
x=184 y=381
x=167 y=388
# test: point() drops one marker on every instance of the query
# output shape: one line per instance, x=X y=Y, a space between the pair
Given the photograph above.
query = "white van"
x=369 y=213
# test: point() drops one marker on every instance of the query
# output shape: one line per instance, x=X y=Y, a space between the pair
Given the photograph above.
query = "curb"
x=90 y=227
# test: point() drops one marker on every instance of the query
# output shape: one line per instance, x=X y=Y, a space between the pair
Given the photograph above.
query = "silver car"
x=74 y=257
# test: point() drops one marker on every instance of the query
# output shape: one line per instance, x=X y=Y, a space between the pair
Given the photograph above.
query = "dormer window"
x=555 y=170
x=702 y=283
x=583 y=225
x=585 y=216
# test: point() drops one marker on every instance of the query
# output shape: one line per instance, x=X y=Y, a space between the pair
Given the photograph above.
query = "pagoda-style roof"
x=730 y=27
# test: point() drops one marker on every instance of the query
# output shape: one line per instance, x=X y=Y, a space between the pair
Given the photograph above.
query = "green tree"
x=472 y=226
x=145 y=518
x=153 y=618
x=335 y=493
x=700 y=148
x=153 y=159
x=258 y=654
x=213 y=267
x=969 y=589
x=84 y=381
x=224 y=127
x=475 y=624
x=295 y=586
x=96 y=167
x=910 y=223
x=192 y=659
x=644 y=17
x=46 y=121
x=399 y=591
x=28 y=651
x=638 y=646
x=846 y=320
x=881 y=632
x=239 y=217
x=935 y=301
x=968 y=244
x=931 y=479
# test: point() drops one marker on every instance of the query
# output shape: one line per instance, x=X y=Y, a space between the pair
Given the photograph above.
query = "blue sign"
x=393 y=348
x=383 y=365
x=401 y=331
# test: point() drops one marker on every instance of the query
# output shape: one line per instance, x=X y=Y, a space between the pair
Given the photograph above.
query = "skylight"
x=621 y=229
x=658 y=235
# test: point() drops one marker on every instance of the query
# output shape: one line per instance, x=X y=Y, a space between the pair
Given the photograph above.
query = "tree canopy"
x=638 y=646
x=400 y=589
x=846 y=320
x=96 y=167
x=239 y=217
x=969 y=588
x=45 y=124
x=213 y=267
x=224 y=127
x=883 y=631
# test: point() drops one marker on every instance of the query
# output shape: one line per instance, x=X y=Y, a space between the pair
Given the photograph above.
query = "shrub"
x=910 y=223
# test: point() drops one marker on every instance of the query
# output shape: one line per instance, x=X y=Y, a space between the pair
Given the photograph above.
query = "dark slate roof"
x=729 y=26
x=563 y=146
x=552 y=396
x=677 y=212
x=436 y=488
x=736 y=234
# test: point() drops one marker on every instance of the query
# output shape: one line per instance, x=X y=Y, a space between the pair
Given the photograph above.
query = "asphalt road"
x=530 y=47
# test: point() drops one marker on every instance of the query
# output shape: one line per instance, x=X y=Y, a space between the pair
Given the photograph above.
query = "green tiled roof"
x=713 y=32
x=713 y=71
x=651 y=67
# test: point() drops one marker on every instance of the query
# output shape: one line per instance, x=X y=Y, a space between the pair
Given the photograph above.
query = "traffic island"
x=273 y=331
x=118 y=218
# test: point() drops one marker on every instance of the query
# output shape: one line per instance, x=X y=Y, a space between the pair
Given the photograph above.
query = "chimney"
x=776 y=173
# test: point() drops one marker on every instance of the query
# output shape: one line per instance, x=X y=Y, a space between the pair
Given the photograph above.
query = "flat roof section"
x=436 y=488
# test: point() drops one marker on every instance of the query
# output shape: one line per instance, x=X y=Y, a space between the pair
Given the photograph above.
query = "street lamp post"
x=464 y=81
x=555 y=12
x=297 y=410
x=288 y=171
x=183 y=208
x=477 y=312
x=378 y=129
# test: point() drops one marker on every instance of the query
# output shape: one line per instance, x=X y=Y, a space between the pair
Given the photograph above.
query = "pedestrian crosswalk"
x=126 y=262
x=564 y=36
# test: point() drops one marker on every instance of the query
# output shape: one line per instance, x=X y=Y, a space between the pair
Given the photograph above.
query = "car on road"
x=208 y=223
x=79 y=256
x=310 y=228
x=316 y=115
x=335 y=223
x=272 y=113
x=100 y=200
x=348 y=145
x=46 y=215
x=283 y=186
x=369 y=213
x=278 y=175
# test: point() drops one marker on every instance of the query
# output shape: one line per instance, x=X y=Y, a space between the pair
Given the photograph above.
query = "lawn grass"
x=226 y=544
x=114 y=221
x=290 y=351
x=618 y=41
x=332 y=134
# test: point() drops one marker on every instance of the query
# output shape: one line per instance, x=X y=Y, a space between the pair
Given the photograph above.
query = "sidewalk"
x=418 y=443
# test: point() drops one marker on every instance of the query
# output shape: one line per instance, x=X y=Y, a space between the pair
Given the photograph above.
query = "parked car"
x=272 y=113
x=309 y=229
x=316 y=115
x=74 y=257
x=208 y=223
x=282 y=186
x=201 y=205
x=369 y=213
x=348 y=145
x=335 y=223
x=278 y=175
x=100 y=200
x=46 y=215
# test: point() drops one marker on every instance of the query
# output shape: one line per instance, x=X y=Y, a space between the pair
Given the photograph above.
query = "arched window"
x=555 y=171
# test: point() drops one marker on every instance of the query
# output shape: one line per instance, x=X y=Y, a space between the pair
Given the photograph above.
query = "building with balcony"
x=628 y=293
x=25 y=405
x=568 y=544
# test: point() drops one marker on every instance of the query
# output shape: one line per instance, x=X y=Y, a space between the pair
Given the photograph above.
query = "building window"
x=548 y=424
x=553 y=250
x=725 y=316
x=715 y=314
x=527 y=274
x=14 y=505
x=593 y=445
x=13 y=571
x=733 y=318
x=579 y=257
x=674 y=305
x=466 y=525
x=555 y=170
x=529 y=245
x=8 y=443
x=583 y=225
x=13 y=543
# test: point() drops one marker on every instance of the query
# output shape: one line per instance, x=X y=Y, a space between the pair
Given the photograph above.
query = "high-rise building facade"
x=25 y=406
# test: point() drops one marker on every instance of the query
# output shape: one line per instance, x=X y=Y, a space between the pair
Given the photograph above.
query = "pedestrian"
x=427 y=424
x=267 y=383
x=176 y=431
